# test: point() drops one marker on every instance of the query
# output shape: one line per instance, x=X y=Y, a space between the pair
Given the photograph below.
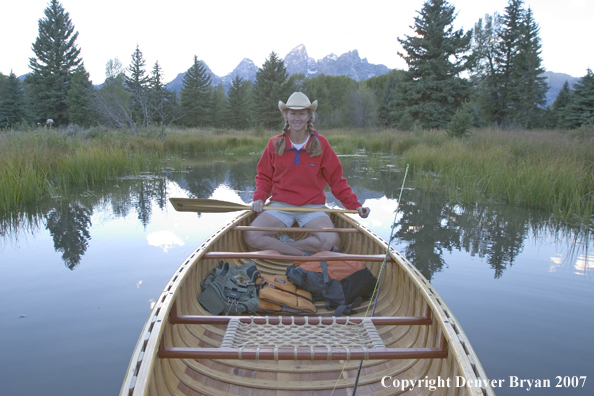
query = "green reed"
x=205 y=141
x=553 y=170
x=34 y=165
x=534 y=169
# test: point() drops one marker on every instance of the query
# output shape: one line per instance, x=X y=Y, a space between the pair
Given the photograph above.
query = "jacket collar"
x=289 y=144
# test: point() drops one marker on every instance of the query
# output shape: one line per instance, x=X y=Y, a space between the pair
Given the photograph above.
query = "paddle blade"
x=205 y=205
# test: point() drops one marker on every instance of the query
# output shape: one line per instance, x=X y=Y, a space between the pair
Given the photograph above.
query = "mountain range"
x=298 y=61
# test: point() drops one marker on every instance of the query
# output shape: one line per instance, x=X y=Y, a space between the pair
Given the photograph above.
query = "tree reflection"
x=68 y=220
x=203 y=179
x=496 y=232
x=68 y=224
x=140 y=194
x=431 y=224
x=427 y=229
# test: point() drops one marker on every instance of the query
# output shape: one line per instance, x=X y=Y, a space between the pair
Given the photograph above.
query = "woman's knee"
x=329 y=240
x=251 y=238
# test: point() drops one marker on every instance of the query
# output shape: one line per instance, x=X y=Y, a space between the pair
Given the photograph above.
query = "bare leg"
x=265 y=240
x=318 y=241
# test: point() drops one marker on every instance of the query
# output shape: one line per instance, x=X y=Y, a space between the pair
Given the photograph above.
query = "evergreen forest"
x=489 y=76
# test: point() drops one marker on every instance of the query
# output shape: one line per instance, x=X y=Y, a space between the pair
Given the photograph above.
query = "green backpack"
x=230 y=290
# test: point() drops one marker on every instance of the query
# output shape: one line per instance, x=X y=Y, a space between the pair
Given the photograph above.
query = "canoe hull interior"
x=404 y=293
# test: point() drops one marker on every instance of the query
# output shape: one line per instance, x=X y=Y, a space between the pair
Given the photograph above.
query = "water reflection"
x=138 y=194
x=429 y=223
x=584 y=264
x=200 y=181
x=164 y=239
x=68 y=224
x=68 y=218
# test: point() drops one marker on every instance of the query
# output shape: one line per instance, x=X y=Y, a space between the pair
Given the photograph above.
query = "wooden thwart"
x=274 y=255
x=300 y=320
x=295 y=229
x=303 y=353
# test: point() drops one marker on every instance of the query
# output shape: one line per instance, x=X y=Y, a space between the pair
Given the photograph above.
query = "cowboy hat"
x=298 y=101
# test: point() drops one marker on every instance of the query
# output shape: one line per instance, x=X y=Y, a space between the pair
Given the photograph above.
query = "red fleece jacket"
x=297 y=178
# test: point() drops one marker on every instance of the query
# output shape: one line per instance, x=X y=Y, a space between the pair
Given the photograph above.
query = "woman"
x=293 y=171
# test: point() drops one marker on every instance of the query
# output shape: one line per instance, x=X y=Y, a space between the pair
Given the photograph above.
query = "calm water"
x=78 y=275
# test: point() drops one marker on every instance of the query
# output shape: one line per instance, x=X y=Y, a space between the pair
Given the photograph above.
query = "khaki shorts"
x=302 y=218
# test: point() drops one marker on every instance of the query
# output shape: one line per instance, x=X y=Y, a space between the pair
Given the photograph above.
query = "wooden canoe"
x=179 y=351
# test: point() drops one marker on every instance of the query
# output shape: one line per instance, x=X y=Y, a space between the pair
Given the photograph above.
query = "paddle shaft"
x=215 y=206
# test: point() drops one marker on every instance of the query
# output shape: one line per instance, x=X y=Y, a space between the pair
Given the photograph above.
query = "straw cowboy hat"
x=298 y=101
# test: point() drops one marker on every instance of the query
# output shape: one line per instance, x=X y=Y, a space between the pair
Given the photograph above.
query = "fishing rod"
x=381 y=275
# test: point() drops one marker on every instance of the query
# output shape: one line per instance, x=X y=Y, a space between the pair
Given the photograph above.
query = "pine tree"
x=386 y=114
x=580 y=110
x=163 y=107
x=528 y=87
x=2 y=79
x=238 y=104
x=461 y=122
x=56 y=58
x=272 y=84
x=509 y=36
x=435 y=55
x=80 y=99
x=218 y=107
x=156 y=94
x=484 y=77
x=138 y=85
x=508 y=76
x=195 y=95
x=12 y=102
x=495 y=46
x=558 y=107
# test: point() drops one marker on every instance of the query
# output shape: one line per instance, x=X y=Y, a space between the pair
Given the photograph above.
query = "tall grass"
x=544 y=170
x=553 y=170
x=33 y=165
x=204 y=141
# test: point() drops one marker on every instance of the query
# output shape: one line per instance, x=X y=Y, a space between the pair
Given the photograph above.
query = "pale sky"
x=223 y=32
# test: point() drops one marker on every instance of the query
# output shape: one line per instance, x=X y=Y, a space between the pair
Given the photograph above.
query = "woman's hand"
x=258 y=206
x=363 y=212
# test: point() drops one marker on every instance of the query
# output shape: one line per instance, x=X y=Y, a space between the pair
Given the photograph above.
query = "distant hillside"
x=555 y=82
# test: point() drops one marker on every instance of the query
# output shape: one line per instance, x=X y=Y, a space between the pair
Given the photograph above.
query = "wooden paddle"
x=215 y=206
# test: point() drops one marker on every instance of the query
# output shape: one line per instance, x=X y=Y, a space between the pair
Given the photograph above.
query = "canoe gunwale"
x=165 y=312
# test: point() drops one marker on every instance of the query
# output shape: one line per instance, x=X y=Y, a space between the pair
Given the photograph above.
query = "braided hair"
x=315 y=148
